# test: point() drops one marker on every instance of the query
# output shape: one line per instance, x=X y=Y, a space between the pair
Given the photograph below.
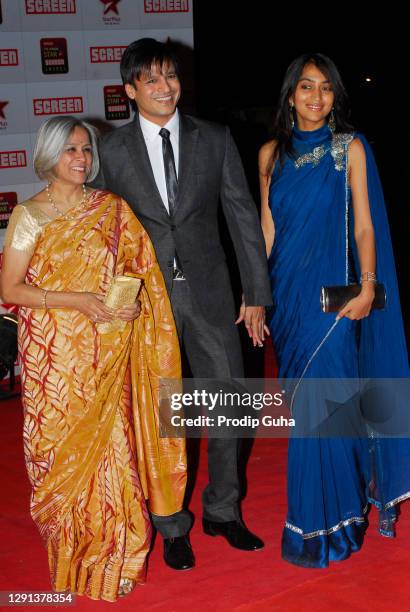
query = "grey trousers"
x=212 y=352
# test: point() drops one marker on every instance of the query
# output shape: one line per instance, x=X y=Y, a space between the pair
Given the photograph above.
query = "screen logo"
x=58 y=106
x=106 y=55
x=9 y=57
x=13 y=159
x=166 y=6
x=50 y=7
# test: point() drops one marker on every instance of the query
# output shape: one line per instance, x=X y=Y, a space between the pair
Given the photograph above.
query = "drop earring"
x=292 y=117
x=332 y=121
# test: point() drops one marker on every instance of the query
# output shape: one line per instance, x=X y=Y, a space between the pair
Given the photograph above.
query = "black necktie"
x=170 y=170
x=172 y=186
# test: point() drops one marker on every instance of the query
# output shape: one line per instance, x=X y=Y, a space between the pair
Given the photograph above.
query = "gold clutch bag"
x=123 y=291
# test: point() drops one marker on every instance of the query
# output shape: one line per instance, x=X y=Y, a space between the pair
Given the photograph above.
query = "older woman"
x=90 y=399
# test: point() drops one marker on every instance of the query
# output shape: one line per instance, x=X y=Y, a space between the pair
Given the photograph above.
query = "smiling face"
x=156 y=93
x=75 y=161
x=313 y=98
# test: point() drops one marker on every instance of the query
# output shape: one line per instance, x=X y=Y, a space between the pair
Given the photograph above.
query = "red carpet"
x=377 y=578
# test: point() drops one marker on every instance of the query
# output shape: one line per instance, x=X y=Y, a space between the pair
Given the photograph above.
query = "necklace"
x=81 y=203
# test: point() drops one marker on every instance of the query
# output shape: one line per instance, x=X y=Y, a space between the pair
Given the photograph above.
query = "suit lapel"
x=135 y=143
x=188 y=136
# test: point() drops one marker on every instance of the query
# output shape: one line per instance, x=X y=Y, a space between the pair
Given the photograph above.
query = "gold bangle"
x=44 y=299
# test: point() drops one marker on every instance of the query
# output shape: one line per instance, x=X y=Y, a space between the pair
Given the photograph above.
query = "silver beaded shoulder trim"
x=337 y=149
x=340 y=142
x=313 y=157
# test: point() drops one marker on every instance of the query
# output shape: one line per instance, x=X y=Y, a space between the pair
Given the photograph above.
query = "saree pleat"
x=88 y=397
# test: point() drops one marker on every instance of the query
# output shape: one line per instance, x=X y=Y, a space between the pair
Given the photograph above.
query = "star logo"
x=2 y=107
x=110 y=5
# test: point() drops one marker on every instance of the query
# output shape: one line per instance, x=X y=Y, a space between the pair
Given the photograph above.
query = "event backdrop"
x=62 y=57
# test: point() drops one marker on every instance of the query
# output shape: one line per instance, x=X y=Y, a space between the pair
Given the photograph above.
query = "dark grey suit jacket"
x=210 y=172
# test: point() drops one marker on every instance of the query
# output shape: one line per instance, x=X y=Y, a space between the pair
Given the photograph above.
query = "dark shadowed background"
x=242 y=50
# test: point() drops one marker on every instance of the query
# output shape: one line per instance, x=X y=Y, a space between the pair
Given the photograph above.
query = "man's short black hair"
x=142 y=54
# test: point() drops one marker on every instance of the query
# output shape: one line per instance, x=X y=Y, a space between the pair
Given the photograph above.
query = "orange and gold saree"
x=91 y=429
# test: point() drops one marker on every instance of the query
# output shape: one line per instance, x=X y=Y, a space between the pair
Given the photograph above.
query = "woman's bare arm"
x=360 y=306
x=265 y=170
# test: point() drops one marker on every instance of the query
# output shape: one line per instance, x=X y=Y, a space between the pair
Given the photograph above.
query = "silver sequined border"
x=320 y=532
x=398 y=500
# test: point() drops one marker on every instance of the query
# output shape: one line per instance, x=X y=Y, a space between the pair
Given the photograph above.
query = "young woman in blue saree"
x=324 y=219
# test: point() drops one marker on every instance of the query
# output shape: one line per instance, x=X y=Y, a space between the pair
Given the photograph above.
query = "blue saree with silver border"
x=331 y=480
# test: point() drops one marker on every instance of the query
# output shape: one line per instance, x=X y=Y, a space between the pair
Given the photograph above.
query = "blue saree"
x=331 y=480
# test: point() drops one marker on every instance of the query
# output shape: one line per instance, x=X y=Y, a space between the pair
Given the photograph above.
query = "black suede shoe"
x=235 y=532
x=178 y=553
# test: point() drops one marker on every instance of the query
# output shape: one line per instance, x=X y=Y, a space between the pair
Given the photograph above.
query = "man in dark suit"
x=174 y=170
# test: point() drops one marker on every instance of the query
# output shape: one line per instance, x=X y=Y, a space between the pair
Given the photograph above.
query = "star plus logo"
x=2 y=107
x=111 y=5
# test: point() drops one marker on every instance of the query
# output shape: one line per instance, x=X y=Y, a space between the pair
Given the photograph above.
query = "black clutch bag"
x=332 y=299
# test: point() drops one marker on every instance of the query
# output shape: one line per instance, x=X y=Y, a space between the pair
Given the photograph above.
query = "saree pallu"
x=330 y=479
x=91 y=428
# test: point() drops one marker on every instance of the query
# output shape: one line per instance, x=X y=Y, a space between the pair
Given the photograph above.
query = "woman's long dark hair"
x=282 y=127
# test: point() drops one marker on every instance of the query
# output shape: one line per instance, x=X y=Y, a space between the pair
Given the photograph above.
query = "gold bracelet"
x=44 y=299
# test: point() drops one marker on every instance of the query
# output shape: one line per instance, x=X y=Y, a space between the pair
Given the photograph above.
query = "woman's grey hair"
x=51 y=140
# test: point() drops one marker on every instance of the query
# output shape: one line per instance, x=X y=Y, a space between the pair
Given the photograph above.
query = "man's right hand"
x=254 y=320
